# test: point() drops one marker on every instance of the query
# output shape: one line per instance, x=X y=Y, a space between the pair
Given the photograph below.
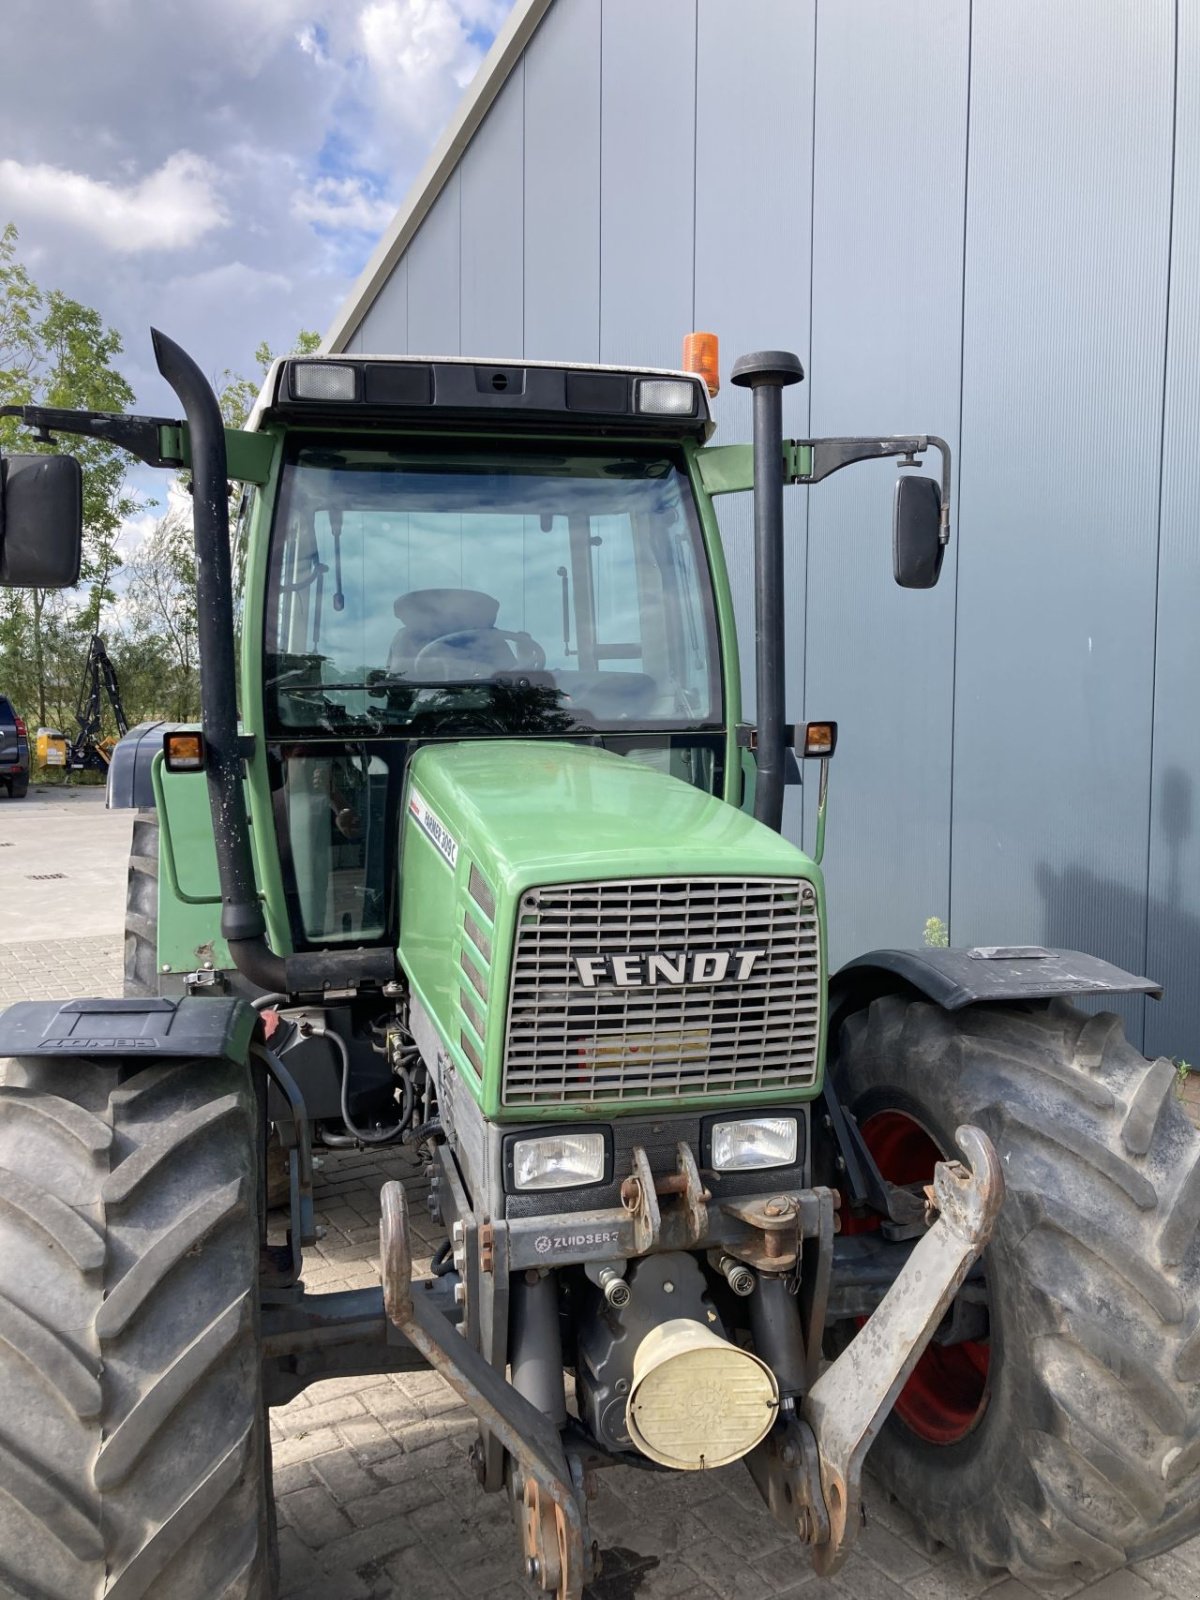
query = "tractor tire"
x=141 y=908
x=1064 y=1440
x=134 y=1460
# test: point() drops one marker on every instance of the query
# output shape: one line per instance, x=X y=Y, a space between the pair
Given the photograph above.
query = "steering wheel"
x=459 y=638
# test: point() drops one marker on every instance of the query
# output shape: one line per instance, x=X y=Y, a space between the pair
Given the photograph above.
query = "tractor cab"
x=467 y=570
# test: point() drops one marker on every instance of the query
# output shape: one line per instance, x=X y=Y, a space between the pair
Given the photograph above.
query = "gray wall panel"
x=434 y=277
x=754 y=166
x=1068 y=221
x=647 y=177
x=384 y=329
x=493 y=228
x=1173 y=949
x=562 y=185
x=887 y=308
x=1020 y=750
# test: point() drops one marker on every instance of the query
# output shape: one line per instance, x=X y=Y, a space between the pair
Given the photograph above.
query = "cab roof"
x=469 y=392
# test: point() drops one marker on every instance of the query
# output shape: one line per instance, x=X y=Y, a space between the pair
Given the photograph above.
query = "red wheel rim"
x=948 y=1390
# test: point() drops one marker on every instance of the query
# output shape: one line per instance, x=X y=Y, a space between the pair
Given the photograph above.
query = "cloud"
x=421 y=54
x=231 y=278
x=343 y=203
x=220 y=171
x=169 y=209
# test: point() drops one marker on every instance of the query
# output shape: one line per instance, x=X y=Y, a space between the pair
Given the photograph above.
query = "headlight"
x=753 y=1142
x=667 y=397
x=558 y=1161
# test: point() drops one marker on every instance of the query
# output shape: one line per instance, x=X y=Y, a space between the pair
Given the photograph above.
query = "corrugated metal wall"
x=979 y=220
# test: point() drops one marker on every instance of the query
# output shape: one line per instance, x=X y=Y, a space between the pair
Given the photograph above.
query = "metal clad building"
x=980 y=220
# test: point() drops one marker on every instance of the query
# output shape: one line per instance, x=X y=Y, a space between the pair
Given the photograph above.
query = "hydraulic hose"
x=375 y=1135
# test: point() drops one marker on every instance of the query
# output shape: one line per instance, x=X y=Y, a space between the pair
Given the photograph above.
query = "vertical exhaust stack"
x=242 y=924
x=768 y=373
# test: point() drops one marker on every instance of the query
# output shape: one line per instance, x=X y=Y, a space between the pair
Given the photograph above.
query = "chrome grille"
x=567 y=1043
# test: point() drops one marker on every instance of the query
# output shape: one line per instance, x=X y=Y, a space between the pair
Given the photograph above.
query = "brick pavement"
x=377 y=1500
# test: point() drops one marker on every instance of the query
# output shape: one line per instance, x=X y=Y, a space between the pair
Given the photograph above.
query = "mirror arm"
x=141 y=436
x=824 y=457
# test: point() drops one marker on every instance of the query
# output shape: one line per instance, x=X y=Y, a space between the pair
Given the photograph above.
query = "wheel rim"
x=948 y=1390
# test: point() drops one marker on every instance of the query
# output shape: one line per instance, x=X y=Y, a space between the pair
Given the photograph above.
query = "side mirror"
x=917 y=548
x=41 y=522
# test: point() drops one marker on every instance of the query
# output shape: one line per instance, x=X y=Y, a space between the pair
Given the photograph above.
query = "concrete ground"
x=375 y=1495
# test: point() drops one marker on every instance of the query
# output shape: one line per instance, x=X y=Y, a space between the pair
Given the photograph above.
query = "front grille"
x=569 y=1043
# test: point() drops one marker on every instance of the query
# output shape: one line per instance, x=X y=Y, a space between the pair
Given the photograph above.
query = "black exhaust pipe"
x=768 y=373
x=242 y=924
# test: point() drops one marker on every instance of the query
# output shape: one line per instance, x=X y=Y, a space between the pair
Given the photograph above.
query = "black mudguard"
x=203 y=1029
x=987 y=973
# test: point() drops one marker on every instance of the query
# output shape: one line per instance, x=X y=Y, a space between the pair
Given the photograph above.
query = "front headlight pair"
x=573 y=1160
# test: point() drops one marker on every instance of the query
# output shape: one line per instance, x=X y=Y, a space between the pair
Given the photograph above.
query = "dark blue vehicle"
x=14 y=751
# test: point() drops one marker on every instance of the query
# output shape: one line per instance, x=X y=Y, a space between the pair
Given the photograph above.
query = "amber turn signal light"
x=183 y=752
x=820 y=738
x=701 y=356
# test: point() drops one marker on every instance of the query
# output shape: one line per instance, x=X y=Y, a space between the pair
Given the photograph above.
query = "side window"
x=336 y=813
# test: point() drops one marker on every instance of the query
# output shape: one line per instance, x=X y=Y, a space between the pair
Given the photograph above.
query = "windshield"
x=522 y=592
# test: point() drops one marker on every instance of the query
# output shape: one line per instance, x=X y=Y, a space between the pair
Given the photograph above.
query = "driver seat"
x=428 y=614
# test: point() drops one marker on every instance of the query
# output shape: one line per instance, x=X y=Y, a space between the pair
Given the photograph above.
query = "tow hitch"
x=809 y=1469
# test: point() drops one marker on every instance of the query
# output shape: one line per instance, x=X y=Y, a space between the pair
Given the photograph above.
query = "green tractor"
x=474 y=853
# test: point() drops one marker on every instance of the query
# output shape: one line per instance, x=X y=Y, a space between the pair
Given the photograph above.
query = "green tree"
x=158 y=652
x=56 y=351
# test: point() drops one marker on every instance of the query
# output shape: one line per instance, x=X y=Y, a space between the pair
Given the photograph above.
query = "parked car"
x=14 y=751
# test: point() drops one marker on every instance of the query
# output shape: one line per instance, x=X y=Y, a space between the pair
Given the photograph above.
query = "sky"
x=220 y=169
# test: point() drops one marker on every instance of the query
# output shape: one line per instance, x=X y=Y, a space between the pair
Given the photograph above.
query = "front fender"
x=953 y=979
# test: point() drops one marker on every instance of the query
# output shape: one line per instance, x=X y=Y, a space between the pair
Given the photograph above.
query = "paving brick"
x=891 y=1553
x=315 y=1515
x=328 y=1412
x=948 y=1579
x=786 y=1571
x=1177 y=1572
x=417 y=1573
x=367 y=1545
x=345 y=1476
x=1124 y=1585
x=368 y=1438
x=392 y=1500
x=298 y=1475
x=860 y=1579
x=488 y=1574
x=303 y=1446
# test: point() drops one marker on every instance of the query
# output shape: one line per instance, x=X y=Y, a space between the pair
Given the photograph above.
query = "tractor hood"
x=530 y=812
x=511 y=850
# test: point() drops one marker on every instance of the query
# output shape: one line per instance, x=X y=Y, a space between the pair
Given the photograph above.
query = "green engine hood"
x=484 y=821
x=536 y=812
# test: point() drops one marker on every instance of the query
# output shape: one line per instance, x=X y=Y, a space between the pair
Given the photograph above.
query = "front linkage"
x=808 y=1468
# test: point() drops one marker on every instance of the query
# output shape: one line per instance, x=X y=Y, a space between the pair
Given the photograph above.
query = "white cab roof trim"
x=509 y=43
